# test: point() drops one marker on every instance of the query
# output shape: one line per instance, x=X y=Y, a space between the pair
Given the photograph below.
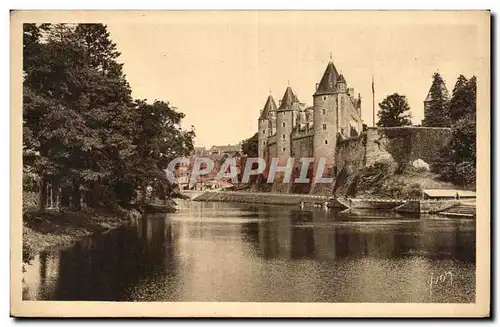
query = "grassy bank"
x=381 y=180
x=63 y=228
x=263 y=198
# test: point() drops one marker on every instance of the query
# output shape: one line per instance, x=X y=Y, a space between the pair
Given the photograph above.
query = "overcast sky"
x=219 y=68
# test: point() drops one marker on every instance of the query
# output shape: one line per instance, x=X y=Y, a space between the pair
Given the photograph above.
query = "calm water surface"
x=238 y=252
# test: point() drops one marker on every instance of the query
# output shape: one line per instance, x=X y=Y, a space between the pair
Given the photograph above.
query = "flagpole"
x=373 y=102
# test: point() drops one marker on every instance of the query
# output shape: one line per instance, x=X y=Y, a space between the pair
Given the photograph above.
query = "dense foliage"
x=394 y=111
x=458 y=159
x=378 y=180
x=250 y=146
x=83 y=134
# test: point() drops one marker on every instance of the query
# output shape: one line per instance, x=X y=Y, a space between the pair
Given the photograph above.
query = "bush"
x=466 y=174
x=374 y=176
x=378 y=180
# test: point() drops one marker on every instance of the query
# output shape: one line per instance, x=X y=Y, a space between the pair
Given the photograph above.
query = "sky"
x=219 y=68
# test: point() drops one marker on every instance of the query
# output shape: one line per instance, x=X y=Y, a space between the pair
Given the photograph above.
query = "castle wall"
x=349 y=116
x=271 y=149
x=421 y=142
x=302 y=146
x=350 y=154
x=375 y=147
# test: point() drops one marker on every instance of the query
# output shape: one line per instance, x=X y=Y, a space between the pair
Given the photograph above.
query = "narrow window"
x=263 y=142
x=284 y=149
x=264 y=131
x=324 y=126
x=326 y=141
x=324 y=111
x=284 y=124
x=284 y=136
x=324 y=98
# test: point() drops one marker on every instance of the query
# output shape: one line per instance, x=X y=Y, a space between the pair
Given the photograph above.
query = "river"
x=260 y=253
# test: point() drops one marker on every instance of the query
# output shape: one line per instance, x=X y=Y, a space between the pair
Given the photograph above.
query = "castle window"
x=324 y=98
x=324 y=111
x=283 y=136
x=326 y=141
x=284 y=124
x=264 y=131
x=263 y=142
x=284 y=149
x=324 y=126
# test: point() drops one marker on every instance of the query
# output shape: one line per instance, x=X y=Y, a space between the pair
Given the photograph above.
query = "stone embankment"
x=261 y=197
x=403 y=206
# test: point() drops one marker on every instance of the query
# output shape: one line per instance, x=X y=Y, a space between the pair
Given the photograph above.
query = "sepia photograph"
x=250 y=163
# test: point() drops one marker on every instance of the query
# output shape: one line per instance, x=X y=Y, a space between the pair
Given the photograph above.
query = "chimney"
x=317 y=85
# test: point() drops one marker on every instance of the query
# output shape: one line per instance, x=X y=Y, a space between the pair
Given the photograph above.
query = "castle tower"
x=325 y=117
x=285 y=118
x=265 y=125
x=343 y=127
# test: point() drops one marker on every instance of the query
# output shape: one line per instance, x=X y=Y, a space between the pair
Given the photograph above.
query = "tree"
x=437 y=106
x=83 y=133
x=158 y=139
x=458 y=160
x=250 y=146
x=459 y=102
x=394 y=111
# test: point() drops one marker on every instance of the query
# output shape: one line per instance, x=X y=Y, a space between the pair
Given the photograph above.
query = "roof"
x=328 y=81
x=268 y=107
x=341 y=79
x=444 y=90
x=288 y=99
x=226 y=148
x=437 y=193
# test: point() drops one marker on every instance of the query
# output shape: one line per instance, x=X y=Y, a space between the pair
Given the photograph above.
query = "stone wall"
x=302 y=146
x=351 y=152
x=422 y=142
x=349 y=116
x=375 y=149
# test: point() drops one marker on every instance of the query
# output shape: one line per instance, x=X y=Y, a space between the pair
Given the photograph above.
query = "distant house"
x=225 y=149
x=443 y=194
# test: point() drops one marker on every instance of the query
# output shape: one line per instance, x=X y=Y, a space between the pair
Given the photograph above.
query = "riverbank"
x=403 y=206
x=63 y=228
x=261 y=197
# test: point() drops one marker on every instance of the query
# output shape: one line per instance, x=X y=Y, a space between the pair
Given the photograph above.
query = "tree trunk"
x=51 y=195
x=75 y=197
x=58 y=198
x=42 y=196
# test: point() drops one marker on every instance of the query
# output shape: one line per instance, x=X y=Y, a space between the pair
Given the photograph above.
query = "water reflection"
x=236 y=252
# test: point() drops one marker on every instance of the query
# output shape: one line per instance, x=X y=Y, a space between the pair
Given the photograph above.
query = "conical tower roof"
x=328 y=81
x=268 y=107
x=288 y=99
x=341 y=79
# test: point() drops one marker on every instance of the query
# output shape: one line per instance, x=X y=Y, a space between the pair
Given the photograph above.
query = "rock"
x=420 y=164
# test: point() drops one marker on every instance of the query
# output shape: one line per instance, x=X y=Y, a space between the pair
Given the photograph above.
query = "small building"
x=445 y=194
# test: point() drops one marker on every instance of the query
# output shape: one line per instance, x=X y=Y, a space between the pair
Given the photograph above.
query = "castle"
x=292 y=130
